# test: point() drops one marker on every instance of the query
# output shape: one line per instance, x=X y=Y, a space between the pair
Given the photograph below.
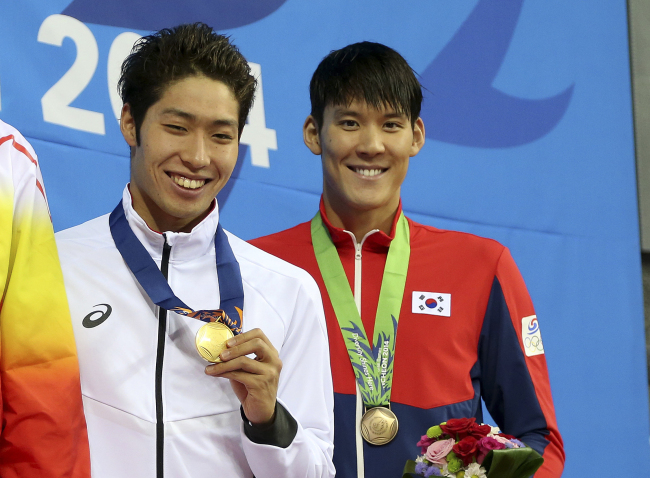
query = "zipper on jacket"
x=160 y=354
x=358 y=246
x=357 y=274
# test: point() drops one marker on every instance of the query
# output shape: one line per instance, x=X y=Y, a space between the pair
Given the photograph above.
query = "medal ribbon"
x=373 y=366
x=155 y=285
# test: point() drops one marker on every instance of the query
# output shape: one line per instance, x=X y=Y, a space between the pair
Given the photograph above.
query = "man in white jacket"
x=139 y=278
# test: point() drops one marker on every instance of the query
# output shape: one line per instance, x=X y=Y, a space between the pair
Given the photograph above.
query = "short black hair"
x=369 y=72
x=173 y=54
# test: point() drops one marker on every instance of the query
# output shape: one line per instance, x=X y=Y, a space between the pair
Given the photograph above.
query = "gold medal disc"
x=378 y=426
x=211 y=340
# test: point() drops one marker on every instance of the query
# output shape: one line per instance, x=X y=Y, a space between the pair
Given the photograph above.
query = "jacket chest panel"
x=118 y=353
x=434 y=351
x=116 y=340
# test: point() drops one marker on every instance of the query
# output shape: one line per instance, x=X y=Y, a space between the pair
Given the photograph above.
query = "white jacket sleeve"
x=305 y=390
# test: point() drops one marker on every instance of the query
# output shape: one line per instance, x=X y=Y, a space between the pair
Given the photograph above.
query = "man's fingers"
x=245 y=378
x=247 y=336
x=246 y=365
x=262 y=350
x=251 y=342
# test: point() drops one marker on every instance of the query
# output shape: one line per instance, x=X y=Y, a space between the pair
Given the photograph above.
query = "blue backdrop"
x=529 y=141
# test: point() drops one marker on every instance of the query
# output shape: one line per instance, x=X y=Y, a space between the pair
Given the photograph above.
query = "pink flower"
x=502 y=439
x=424 y=442
x=437 y=452
x=487 y=444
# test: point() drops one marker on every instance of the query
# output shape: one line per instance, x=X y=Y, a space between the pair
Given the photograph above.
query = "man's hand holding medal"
x=254 y=380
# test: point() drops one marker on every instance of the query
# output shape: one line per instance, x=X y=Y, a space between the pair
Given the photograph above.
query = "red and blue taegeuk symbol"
x=431 y=303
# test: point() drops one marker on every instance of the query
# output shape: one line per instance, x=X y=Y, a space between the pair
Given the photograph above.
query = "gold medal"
x=378 y=426
x=211 y=340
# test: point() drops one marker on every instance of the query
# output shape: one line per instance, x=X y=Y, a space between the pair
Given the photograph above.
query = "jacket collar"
x=378 y=240
x=185 y=245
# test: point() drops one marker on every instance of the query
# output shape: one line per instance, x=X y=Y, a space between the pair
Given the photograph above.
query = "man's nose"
x=370 y=142
x=196 y=153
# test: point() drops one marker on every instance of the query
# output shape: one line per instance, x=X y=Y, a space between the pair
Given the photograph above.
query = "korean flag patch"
x=431 y=303
x=531 y=336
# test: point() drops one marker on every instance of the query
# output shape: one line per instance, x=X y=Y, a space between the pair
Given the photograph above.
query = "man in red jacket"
x=467 y=326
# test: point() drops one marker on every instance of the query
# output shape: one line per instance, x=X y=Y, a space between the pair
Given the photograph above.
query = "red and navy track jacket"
x=443 y=365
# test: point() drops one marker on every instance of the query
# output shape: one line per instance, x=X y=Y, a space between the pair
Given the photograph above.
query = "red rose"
x=479 y=431
x=506 y=436
x=466 y=449
x=458 y=428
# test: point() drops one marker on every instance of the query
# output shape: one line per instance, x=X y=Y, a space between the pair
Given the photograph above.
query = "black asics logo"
x=88 y=321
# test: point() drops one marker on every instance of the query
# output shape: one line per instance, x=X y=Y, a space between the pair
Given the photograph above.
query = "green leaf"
x=512 y=463
x=409 y=470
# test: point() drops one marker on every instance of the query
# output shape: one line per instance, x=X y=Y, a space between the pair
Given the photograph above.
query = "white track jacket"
x=116 y=328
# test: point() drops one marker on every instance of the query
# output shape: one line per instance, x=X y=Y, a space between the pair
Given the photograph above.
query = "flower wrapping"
x=462 y=448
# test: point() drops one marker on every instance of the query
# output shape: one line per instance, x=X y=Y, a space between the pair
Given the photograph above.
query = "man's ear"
x=127 y=126
x=311 y=136
x=418 y=137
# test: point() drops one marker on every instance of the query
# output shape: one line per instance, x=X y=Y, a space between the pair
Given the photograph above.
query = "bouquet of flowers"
x=461 y=448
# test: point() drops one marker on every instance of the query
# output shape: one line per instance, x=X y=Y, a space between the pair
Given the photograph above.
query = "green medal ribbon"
x=373 y=366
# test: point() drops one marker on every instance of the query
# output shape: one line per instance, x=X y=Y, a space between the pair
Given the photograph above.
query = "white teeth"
x=368 y=172
x=188 y=183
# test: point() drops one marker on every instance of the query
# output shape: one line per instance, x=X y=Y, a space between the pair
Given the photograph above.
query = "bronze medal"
x=378 y=426
x=211 y=340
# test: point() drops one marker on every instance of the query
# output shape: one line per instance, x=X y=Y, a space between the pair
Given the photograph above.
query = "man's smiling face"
x=365 y=155
x=187 y=152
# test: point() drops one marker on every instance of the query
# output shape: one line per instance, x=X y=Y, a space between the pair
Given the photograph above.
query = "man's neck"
x=361 y=223
x=160 y=221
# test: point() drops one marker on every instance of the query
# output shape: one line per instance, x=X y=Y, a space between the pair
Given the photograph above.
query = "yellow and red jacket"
x=43 y=426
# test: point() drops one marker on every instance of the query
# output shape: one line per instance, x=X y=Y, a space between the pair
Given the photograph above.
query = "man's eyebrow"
x=345 y=112
x=226 y=122
x=177 y=112
x=395 y=114
x=356 y=114
x=190 y=117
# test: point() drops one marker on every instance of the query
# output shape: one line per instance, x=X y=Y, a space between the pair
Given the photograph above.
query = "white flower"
x=419 y=459
x=474 y=470
x=494 y=431
x=445 y=472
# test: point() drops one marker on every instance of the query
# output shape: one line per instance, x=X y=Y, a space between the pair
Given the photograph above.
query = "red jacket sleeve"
x=514 y=376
